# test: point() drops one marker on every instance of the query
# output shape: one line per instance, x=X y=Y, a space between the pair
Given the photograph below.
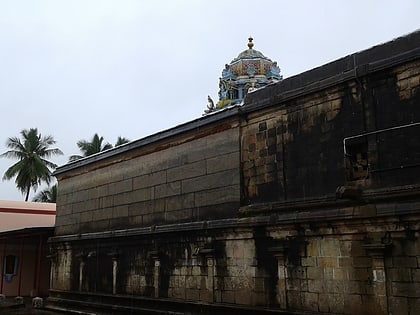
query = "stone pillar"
x=91 y=259
x=114 y=258
x=377 y=251
x=82 y=261
x=280 y=253
x=155 y=256
x=211 y=265
x=281 y=283
x=156 y=276
x=206 y=255
x=52 y=269
x=114 y=274
x=81 y=268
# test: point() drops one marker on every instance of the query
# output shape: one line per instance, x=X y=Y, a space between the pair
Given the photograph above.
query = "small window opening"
x=10 y=267
x=357 y=166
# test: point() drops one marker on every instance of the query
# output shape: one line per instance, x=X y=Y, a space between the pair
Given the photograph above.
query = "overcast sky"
x=132 y=68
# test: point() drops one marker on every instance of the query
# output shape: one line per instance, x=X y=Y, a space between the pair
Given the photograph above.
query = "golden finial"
x=250 y=44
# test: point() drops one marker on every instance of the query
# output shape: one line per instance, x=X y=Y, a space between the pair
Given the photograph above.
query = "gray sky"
x=132 y=68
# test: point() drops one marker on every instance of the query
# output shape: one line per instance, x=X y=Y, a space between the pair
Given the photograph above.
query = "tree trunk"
x=27 y=193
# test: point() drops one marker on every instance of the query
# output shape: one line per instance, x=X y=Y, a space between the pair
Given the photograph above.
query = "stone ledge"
x=377 y=58
x=91 y=303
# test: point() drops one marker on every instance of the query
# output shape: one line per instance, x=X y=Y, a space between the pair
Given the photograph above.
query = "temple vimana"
x=296 y=195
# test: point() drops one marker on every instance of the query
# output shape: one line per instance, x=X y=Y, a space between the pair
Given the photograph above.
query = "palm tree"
x=32 y=167
x=91 y=147
x=121 y=140
x=47 y=195
x=95 y=146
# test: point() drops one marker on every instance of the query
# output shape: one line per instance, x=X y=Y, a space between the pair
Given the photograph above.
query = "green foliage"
x=121 y=140
x=32 y=167
x=47 y=195
x=95 y=145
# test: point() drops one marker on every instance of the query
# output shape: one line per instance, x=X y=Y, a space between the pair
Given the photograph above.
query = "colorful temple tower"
x=247 y=72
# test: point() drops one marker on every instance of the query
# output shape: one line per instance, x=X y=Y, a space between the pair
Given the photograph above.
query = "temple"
x=246 y=73
x=302 y=197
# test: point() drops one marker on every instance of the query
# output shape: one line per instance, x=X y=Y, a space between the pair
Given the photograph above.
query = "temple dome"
x=250 y=54
x=249 y=71
x=253 y=62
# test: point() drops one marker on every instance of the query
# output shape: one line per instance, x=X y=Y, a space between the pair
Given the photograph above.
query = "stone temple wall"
x=304 y=199
x=302 y=138
x=190 y=178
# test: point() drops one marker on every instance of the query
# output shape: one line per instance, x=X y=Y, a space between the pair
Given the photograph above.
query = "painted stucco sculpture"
x=247 y=72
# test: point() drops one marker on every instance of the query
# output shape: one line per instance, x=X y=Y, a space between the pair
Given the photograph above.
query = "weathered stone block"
x=229 y=283
x=400 y=274
x=153 y=218
x=315 y=273
x=121 y=186
x=297 y=272
x=415 y=274
x=211 y=181
x=166 y=190
x=221 y=143
x=317 y=286
x=217 y=196
x=313 y=248
x=345 y=262
x=124 y=199
x=106 y=201
x=323 y=304
x=334 y=286
x=120 y=211
x=406 y=289
x=259 y=284
x=243 y=297
x=359 y=262
x=223 y=162
x=294 y=299
x=340 y=274
x=149 y=180
x=206 y=296
x=309 y=301
x=182 y=278
x=293 y=284
x=414 y=305
x=191 y=282
x=359 y=274
x=140 y=208
x=179 y=293
x=308 y=261
x=336 y=302
x=259 y=299
x=102 y=214
x=86 y=216
x=354 y=287
x=407 y=262
x=190 y=170
x=179 y=202
x=227 y=296
x=72 y=219
x=175 y=216
x=327 y=261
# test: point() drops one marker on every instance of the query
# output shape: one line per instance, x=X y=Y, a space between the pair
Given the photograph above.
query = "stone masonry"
x=304 y=199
